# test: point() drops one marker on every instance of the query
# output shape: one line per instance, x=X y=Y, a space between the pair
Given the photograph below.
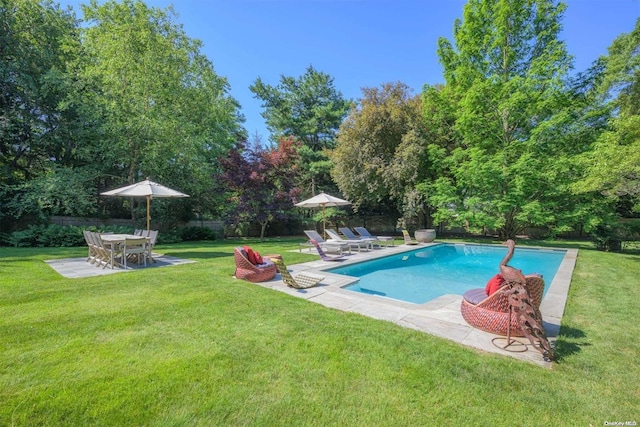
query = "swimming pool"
x=427 y=273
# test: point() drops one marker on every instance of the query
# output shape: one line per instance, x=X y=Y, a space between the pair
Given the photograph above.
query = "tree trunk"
x=263 y=227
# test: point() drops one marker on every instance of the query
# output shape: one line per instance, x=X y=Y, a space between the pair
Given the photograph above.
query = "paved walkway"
x=440 y=317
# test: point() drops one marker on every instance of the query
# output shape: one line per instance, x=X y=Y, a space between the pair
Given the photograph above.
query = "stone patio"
x=440 y=317
x=75 y=268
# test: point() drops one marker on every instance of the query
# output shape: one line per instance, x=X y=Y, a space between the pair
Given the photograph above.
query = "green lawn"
x=190 y=346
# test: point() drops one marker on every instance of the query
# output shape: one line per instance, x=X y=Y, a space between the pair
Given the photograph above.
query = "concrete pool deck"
x=440 y=317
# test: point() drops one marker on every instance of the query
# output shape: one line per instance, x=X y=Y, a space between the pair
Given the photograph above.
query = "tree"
x=260 y=183
x=613 y=166
x=311 y=110
x=512 y=164
x=380 y=153
x=45 y=115
x=167 y=114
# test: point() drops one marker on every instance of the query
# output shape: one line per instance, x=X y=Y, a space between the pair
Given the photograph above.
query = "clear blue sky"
x=361 y=43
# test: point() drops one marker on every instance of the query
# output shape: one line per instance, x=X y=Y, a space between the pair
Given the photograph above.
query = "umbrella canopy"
x=322 y=200
x=146 y=188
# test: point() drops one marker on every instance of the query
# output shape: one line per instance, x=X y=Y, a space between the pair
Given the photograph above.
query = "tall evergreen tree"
x=310 y=109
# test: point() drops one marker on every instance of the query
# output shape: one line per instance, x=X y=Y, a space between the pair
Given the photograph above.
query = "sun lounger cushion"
x=474 y=296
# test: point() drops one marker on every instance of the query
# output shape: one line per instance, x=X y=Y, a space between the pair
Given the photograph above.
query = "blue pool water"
x=427 y=273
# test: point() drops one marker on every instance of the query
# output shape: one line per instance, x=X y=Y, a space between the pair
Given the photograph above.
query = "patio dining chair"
x=106 y=254
x=92 y=251
x=135 y=249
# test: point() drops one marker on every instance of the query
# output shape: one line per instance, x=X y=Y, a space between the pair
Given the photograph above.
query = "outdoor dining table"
x=115 y=240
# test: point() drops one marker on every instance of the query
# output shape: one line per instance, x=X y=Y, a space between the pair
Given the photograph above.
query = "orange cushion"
x=250 y=255
x=494 y=284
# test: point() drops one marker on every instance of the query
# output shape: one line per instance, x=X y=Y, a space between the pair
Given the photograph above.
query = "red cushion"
x=259 y=259
x=251 y=255
x=494 y=284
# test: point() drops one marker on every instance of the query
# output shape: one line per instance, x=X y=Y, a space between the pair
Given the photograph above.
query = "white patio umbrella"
x=146 y=188
x=323 y=199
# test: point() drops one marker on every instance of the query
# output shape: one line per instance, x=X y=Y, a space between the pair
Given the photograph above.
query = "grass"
x=190 y=346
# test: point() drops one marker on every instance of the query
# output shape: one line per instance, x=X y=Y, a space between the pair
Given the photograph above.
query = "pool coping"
x=440 y=317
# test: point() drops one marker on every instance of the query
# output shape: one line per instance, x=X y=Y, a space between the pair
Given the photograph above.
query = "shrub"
x=47 y=235
x=197 y=233
x=609 y=237
x=54 y=235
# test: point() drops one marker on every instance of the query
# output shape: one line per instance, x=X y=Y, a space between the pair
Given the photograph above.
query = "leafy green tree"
x=512 y=164
x=381 y=153
x=311 y=110
x=167 y=114
x=46 y=167
x=613 y=166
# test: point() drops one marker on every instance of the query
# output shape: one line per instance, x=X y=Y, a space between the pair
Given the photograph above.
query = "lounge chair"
x=359 y=244
x=363 y=232
x=328 y=246
x=301 y=280
x=407 y=238
x=491 y=313
x=246 y=270
x=351 y=236
x=324 y=256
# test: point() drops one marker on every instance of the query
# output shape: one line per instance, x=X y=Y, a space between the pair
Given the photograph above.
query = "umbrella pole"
x=324 y=225
x=148 y=212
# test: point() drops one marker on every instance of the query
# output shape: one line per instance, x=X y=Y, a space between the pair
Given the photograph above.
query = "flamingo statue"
x=528 y=315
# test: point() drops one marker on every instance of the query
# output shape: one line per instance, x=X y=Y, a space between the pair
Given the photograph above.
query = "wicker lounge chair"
x=492 y=314
x=301 y=280
x=248 y=271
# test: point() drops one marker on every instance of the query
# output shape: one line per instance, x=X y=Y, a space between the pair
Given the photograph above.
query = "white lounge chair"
x=359 y=244
x=328 y=246
x=363 y=232
x=350 y=236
